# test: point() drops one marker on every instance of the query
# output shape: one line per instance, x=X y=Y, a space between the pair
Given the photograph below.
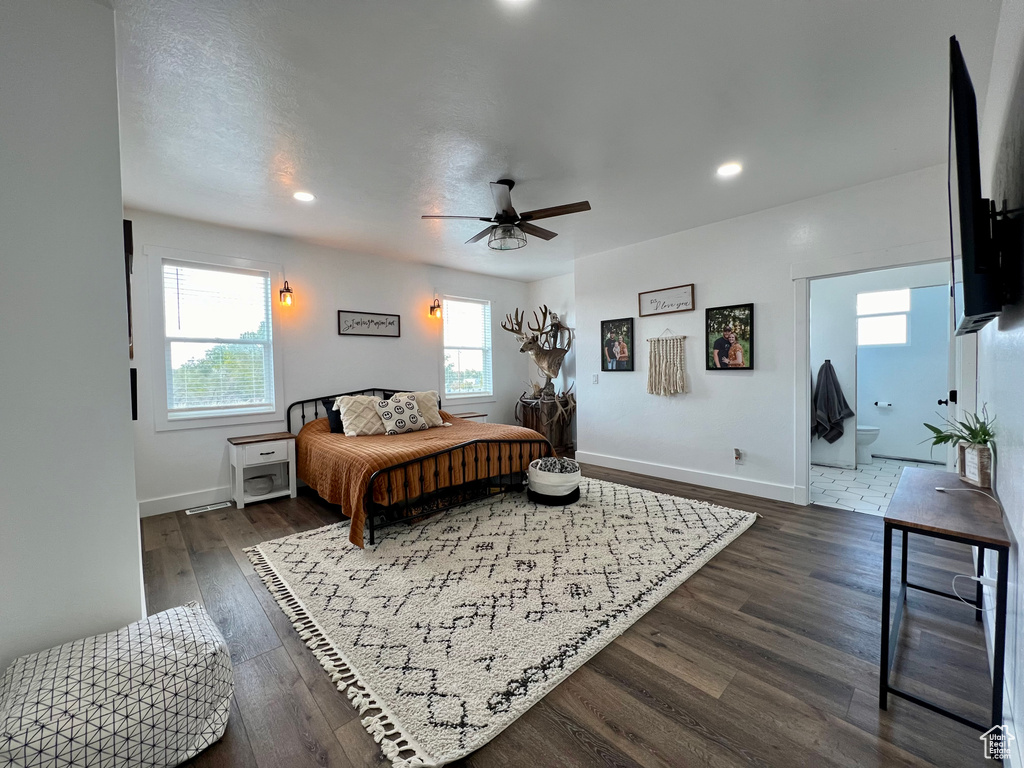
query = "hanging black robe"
x=829 y=405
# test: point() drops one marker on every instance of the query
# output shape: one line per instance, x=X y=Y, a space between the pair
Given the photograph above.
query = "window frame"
x=887 y=313
x=475 y=397
x=906 y=326
x=162 y=419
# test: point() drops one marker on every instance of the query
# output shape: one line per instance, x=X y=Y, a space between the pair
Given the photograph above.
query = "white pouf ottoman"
x=155 y=693
x=553 y=481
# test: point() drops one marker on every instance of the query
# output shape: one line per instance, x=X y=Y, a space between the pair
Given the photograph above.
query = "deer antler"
x=514 y=324
x=542 y=321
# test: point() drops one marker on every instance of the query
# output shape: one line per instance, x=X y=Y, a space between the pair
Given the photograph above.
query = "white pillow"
x=400 y=414
x=359 y=416
x=427 y=402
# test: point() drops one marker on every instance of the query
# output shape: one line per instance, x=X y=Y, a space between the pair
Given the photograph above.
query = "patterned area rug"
x=444 y=633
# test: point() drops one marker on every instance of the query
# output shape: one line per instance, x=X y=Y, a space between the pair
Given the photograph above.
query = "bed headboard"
x=306 y=413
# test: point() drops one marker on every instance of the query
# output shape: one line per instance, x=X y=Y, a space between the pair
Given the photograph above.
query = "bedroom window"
x=467 y=347
x=882 y=317
x=218 y=340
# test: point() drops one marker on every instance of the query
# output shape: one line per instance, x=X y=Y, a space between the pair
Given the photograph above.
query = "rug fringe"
x=384 y=730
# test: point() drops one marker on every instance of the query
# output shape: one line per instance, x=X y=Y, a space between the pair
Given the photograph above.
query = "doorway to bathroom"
x=881 y=367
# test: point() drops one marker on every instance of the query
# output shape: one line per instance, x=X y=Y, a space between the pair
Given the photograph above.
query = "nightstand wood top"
x=248 y=439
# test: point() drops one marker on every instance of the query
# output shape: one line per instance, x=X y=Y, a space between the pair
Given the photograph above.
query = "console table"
x=955 y=515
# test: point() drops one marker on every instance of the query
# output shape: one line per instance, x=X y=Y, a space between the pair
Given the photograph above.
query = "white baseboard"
x=832 y=466
x=159 y=506
x=709 y=479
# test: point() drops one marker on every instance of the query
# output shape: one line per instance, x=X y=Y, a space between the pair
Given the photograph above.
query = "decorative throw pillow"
x=400 y=414
x=427 y=402
x=359 y=415
x=333 y=416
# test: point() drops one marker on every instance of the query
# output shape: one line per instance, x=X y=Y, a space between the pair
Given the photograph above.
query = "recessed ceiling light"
x=729 y=169
x=304 y=197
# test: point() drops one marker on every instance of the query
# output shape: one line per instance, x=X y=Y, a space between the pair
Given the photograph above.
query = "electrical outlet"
x=595 y=378
x=737 y=456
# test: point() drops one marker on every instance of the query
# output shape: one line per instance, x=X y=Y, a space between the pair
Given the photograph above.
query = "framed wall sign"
x=729 y=338
x=368 y=324
x=617 y=344
x=678 y=298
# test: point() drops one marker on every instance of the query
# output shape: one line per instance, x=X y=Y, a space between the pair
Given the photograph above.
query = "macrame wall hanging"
x=666 y=370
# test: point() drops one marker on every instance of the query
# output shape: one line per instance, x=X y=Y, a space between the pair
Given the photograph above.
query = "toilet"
x=865 y=437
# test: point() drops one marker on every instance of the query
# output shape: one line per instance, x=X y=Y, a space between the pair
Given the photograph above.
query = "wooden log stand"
x=544 y=415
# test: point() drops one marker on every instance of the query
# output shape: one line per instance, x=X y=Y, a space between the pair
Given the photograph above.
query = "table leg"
x=238 y=485
x=1000 y=638
x=978 y=589
x=903 y=562
x=883 y=661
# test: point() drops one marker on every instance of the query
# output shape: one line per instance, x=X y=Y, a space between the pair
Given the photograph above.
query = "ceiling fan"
x=509 y=229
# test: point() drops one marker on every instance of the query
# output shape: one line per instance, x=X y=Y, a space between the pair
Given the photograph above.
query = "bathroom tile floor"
x=865 y=489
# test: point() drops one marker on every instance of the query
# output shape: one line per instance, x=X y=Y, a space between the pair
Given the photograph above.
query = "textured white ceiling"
x=387 y=110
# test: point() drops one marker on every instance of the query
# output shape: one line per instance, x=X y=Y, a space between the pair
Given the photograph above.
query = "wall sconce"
x=286 y=295
x=435 y=309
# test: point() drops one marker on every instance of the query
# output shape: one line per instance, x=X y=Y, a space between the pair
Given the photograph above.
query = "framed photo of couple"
x=730 y=338
x=617 y=344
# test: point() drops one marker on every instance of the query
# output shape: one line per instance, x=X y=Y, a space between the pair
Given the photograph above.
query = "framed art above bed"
x=368 y=324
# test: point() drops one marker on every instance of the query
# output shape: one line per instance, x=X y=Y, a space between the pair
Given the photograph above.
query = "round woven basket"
x=553 y=481
x=259 y=485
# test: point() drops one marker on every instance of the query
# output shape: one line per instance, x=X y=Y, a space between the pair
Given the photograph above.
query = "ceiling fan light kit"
x=509 y=229
x=506 y=237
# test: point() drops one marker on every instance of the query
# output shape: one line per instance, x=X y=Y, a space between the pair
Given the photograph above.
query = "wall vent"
x=207 y=508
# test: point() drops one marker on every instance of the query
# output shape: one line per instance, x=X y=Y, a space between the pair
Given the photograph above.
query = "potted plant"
x=975 y=442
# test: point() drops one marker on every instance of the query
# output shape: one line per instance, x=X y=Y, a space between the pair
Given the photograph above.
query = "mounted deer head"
x=514 y=325
x=544 y=344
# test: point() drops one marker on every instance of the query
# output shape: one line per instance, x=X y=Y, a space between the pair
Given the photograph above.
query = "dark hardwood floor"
x=767 y=656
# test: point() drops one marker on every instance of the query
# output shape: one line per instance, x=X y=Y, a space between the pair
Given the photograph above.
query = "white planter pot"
x=975 y=464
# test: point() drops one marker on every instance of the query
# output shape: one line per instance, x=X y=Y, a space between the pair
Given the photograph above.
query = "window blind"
x=218 y=340
x=467 y=347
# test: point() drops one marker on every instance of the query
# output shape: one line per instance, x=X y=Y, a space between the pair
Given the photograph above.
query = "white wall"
x=834 y=337
x=747 y=259
x=183 y=468
x=1001 y=343
x=70 y=556
x=558 y=295
x=913 y=377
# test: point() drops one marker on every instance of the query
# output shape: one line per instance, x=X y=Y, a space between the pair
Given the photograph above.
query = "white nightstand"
x=270 y=454
x=481 y=417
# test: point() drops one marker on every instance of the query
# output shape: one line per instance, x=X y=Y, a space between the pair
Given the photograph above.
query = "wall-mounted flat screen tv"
x=977 y=295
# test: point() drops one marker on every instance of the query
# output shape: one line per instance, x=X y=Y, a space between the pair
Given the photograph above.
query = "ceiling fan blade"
x=558 y=210
x=473 y=218
x=502 y=199
x=532 y=229
x=479 y=235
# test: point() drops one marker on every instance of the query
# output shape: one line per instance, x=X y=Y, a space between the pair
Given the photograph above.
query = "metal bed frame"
x=399 y=476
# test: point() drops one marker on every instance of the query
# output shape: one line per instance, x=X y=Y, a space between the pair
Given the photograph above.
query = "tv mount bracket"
x=1006 y=234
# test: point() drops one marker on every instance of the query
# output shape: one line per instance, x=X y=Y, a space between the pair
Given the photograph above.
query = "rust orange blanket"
x=339 y=467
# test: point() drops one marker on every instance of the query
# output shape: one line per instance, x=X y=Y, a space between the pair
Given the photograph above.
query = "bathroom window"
x=882 y=317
